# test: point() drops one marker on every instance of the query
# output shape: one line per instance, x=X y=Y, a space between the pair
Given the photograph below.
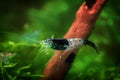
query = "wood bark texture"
x=82 y=27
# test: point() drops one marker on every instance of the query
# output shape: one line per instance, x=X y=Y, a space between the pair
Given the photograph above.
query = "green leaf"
x=11 y=43
x=37 y=75
x=10 y=65
x=22 y=68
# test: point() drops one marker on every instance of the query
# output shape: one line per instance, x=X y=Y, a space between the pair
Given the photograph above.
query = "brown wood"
x=82 y=27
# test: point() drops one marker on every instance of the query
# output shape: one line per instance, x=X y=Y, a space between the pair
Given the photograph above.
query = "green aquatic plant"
x=11 y=60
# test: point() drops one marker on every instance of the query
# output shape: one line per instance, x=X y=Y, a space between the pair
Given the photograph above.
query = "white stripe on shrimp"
x=75 y=43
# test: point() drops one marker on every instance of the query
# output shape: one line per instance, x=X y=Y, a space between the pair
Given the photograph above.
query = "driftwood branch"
x=82 y=27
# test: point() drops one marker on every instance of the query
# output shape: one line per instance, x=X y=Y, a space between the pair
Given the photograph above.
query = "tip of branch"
x=90 y=3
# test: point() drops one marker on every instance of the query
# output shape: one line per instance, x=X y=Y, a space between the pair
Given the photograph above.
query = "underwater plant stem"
x=9 y=76
x=2 y=70
x=81 y=28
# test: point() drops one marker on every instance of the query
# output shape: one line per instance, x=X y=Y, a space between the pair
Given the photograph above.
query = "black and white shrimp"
x=68 y=44
x=64 y=44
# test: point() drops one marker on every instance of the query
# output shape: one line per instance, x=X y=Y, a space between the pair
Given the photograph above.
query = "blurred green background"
x=23 y=23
